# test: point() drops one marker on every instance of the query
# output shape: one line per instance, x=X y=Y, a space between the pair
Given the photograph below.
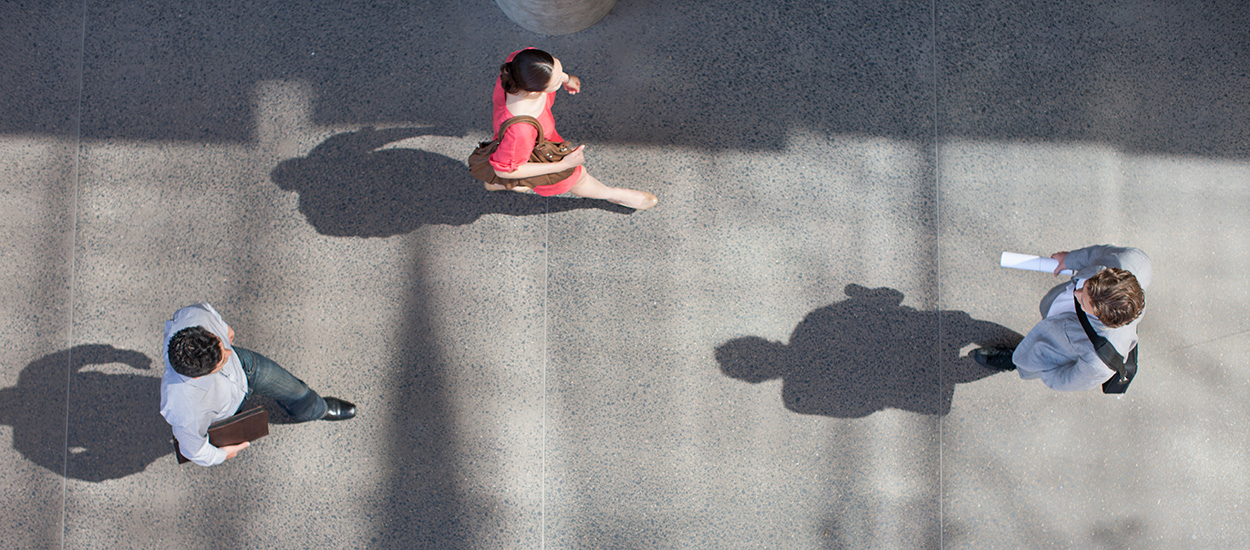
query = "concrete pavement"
x=558 y=373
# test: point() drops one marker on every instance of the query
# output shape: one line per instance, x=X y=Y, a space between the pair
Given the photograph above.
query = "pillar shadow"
x=115 y=429
x=348 y=187
x=865 y=354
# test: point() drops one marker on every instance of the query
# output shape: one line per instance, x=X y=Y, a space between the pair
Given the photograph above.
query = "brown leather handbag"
x=544 y=151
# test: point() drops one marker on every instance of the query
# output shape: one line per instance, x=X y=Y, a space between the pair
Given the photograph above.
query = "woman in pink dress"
x=527 y=84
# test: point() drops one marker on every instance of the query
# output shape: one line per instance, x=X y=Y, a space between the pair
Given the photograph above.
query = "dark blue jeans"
x=271 y=380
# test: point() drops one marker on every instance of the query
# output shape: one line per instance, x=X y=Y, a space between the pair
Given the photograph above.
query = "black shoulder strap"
x=1125 y=370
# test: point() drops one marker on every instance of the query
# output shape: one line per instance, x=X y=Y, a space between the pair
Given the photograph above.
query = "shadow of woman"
x=115 y=427
x=867 y=353
x=348 y=187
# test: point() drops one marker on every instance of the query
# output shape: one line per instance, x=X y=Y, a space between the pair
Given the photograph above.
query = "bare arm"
x=531 y=169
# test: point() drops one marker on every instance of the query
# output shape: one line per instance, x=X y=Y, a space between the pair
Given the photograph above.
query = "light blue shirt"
x=190 y=405
x=1057 y=351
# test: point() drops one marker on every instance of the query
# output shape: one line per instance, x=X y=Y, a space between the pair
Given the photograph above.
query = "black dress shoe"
x=994 y=358
x=337 y=409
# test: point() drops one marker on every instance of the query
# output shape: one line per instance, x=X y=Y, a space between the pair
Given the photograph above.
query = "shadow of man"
x=865 y=354
x=115 y=426
x=348 y=187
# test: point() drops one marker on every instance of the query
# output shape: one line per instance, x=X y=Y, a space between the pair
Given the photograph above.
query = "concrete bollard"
x=555 y=16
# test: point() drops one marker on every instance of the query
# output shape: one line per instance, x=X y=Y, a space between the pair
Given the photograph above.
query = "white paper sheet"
x=1031 y=263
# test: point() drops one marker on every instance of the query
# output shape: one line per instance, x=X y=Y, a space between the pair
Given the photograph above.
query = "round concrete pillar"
x=555 y=16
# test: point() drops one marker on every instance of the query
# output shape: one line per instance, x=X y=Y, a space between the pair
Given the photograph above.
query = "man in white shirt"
x=1109 y=287
x=207 y=378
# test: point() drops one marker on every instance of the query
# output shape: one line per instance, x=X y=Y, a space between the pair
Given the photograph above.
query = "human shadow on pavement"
x=349 y=187
x=115 y=427
x=865 y=354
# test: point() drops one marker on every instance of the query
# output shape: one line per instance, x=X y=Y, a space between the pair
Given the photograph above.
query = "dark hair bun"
x=530 y=71
x=505 y=78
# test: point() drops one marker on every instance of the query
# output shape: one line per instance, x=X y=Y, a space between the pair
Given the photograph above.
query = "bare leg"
x=592 y=188
x=518 y=189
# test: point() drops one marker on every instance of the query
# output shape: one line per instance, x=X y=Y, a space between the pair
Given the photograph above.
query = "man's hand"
x=1060 y=256
x=232 y=450
x=230 y=335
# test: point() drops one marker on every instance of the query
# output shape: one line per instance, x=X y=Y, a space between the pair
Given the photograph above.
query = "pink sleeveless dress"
x=517 y=142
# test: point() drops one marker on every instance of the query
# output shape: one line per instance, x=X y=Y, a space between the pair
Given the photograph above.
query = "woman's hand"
x=576 y=158
x=573 y=84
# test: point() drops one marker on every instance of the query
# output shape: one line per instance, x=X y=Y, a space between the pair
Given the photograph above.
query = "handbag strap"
x=1105 y=350
x=520 y=118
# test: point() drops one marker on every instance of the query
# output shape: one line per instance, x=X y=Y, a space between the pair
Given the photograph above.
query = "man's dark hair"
x=1116 y=296
x=194 y=352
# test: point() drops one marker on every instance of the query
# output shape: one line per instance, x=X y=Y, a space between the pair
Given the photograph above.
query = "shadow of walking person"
x=867 y=353
x=349 y=187
x=115 y=426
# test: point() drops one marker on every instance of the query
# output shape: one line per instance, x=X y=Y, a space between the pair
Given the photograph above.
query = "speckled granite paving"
x=774 y=357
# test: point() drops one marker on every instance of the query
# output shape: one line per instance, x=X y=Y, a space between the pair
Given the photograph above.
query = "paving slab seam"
x=937 y=216
x=73 y=245
x=542 y=483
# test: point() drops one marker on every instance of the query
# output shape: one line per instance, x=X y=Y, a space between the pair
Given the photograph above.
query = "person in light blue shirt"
x=207 y=378
x=1109 y=286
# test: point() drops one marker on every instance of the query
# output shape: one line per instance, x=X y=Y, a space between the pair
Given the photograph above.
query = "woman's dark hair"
x=530 y=70
x=194 y=352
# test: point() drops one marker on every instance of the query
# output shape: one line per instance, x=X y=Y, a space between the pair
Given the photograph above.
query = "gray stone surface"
x=555 y=17
x=771 y=358
x=40 y=71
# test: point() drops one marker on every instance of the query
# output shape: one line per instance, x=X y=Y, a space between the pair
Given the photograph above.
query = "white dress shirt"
x=190 y=405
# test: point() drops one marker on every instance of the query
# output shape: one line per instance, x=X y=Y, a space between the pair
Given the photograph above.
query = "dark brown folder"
x=248 y=425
